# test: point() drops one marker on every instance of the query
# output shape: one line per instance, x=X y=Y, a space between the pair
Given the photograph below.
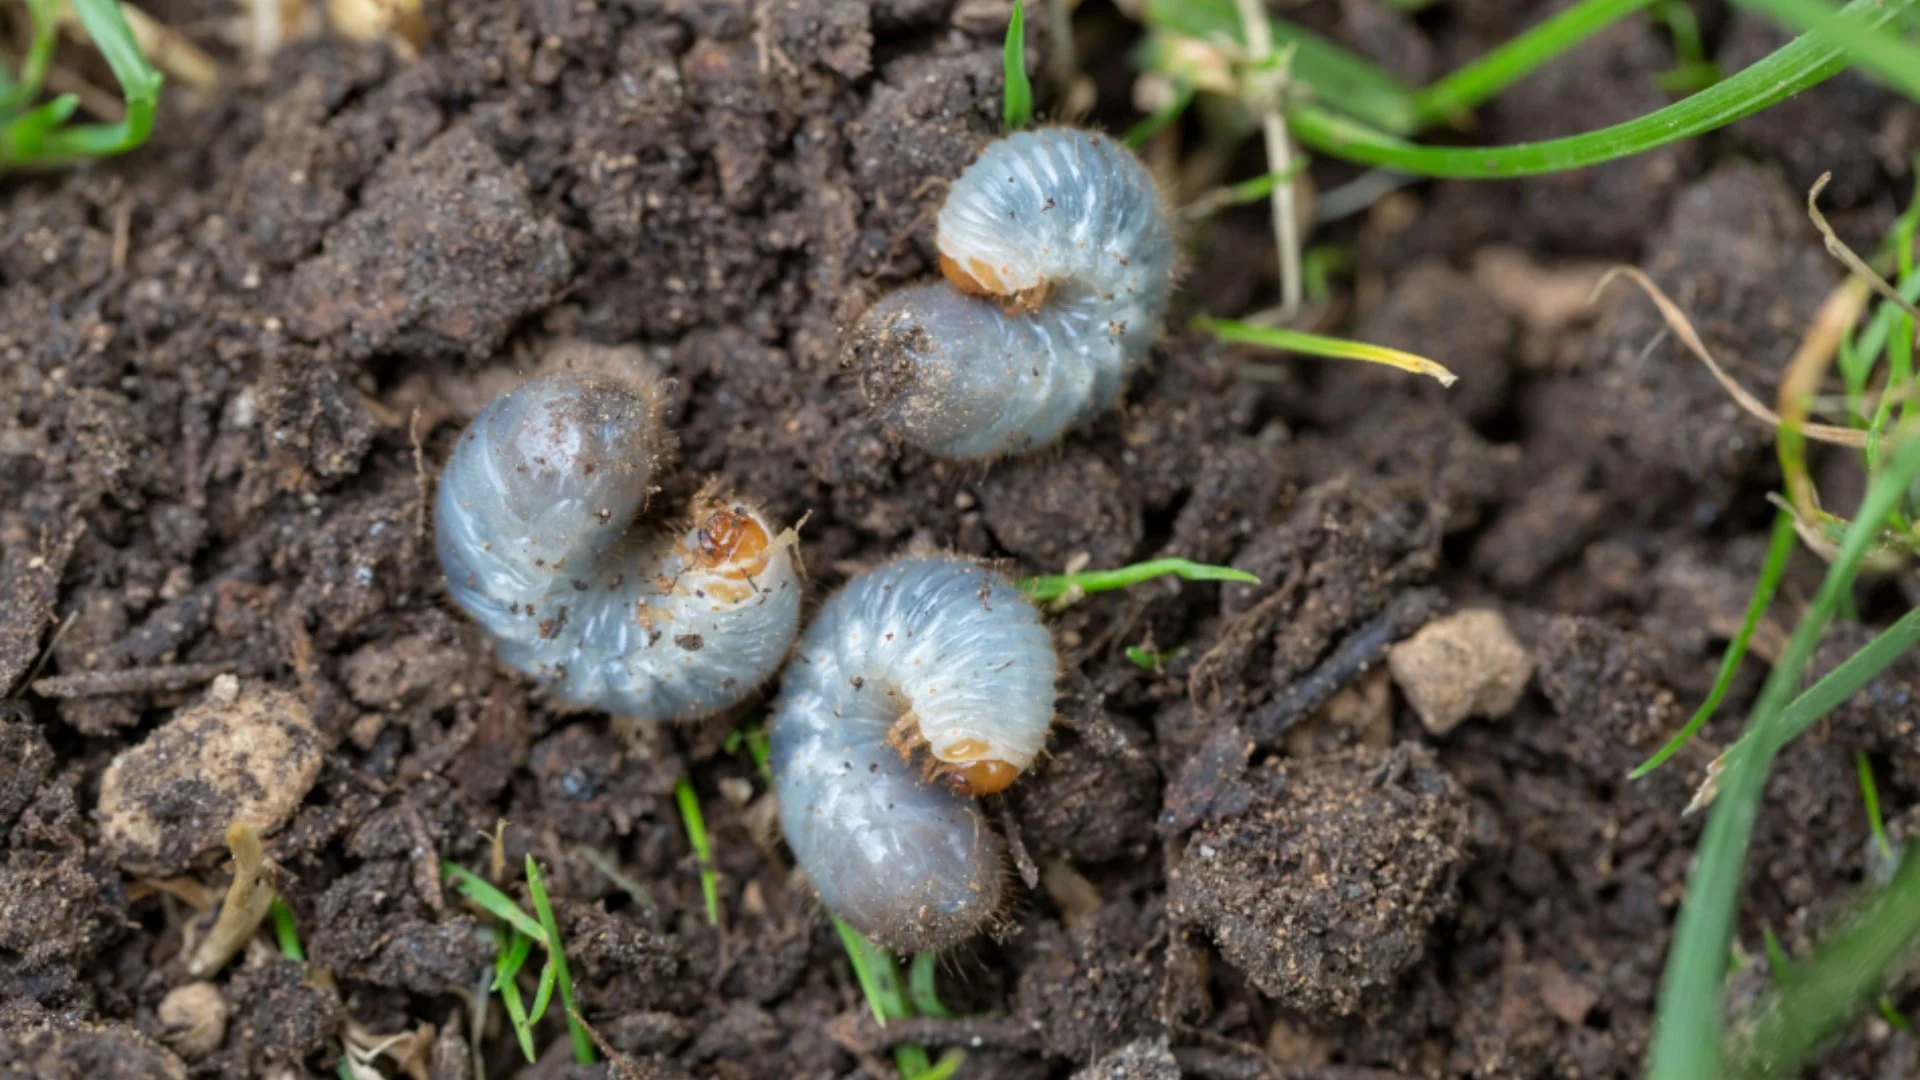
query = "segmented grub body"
x=536 y=532
x=920 y=685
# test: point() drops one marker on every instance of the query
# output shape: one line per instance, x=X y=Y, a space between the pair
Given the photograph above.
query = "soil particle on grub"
x=1325 y=888
x=239 y=755
x=85 y=1052
x=1466 y=664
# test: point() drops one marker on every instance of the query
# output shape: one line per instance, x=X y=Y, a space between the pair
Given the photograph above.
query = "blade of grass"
x=1884 y=53
x=1870 y=798
x=33 y=67
x=1337 y=77
x=543 y=994
x=1687 y=1033
x=1834 y=984
x=1779 y=548
x=1016 y=108
x=506 y=968
x=1849 y=677
x=557 y=956
x=1786 y=71
x=1274 y=337
x=493 y=901
x=285 y=933
x=689 y=803
x=921 y=989
x=1053 y=586
x=515 y=947
x=1778 y=962
x=1468 y=86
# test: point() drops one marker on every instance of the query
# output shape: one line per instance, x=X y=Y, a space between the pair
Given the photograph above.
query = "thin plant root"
x=248 y=899
x=1682 y=328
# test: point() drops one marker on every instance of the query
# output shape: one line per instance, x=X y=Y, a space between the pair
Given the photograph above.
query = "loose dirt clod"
x=236 y=756
x=87 y=1052
x=1323 y=890
x=193 y=1019
x=1463 y=665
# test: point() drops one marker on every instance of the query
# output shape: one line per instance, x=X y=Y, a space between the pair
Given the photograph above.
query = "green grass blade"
x=1883 y=52
x=1778 y=550
x=285 y=933
x=543 y=994
x=515 y=947
x=493 y=901
x=1053 y=586
x=1330 y=348
x=33 y=67
x=1800 y=63
x=1870 y=799
x=1844 y=681
x=1519 y=57
x=696 y=823
x=1338 y=78
x=1778 y=962
x=1837 y=982
x=921 y=989
x=23 y=138
x=517 y=1016
x=1016 y=109
x=1687 y=1030
x=557 y=957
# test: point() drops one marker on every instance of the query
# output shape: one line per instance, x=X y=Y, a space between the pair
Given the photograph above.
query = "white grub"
x=921 y=684
x=535 y=531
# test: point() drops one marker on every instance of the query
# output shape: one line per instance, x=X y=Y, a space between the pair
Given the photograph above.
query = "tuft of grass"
x=40 y=135
x=879 y=980
x=1054 y=586
x=1016 y=109
x=1688 y=1032
x=689 y=803
x=519 y=933
x=1274 y=337
x=1778 y=550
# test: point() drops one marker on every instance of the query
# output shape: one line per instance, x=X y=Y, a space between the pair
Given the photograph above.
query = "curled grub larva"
x=534 y=529
x=919 y=685
x=1059 y=262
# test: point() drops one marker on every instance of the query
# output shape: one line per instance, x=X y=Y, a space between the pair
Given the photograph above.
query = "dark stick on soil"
x=1408 y=612
x=144 y=680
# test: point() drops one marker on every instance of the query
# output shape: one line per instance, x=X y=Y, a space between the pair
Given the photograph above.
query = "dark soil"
x=231 y=365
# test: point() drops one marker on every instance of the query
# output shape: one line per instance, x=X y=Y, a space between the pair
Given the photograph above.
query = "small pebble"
x=1467 y=664
x=193 y=1019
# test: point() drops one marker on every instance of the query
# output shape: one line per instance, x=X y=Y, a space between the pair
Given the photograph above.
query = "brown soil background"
x=207 y=455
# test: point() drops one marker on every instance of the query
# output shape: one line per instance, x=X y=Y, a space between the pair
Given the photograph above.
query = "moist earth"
x=232 y=365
